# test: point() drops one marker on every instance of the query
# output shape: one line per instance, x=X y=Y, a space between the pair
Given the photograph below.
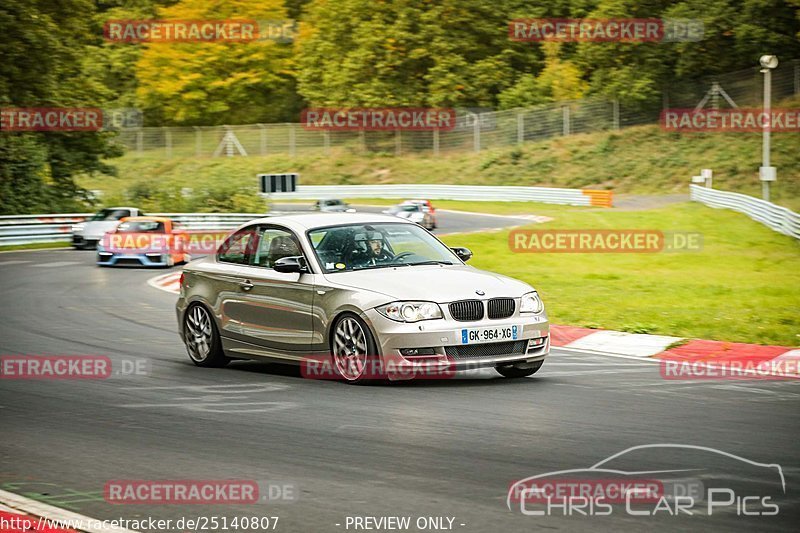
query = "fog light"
x=414 y=352
x=536 y=343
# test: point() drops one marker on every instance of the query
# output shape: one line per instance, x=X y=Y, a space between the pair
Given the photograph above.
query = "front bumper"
x=113 y=259
x=80 y=241
x=531 y=345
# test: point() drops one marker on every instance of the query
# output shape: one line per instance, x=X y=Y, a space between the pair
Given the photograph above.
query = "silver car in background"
x=86 y=235
x=415 y=211
x=333 y=205
x=352 y=290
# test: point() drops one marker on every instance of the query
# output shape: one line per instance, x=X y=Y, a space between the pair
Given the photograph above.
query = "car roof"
x=145 y=219
x=306 y=221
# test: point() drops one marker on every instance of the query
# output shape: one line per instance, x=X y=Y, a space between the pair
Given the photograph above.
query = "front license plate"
x=496 y=334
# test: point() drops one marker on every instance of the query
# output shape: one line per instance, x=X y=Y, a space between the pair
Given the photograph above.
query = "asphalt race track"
x=446 y=448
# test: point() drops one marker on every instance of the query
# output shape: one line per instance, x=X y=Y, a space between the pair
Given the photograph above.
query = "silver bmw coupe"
x=361 y=295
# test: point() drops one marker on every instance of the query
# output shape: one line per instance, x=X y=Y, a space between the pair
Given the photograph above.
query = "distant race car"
x=333 y=205
x=143 y=241
x=86 y=235
x=419 y=211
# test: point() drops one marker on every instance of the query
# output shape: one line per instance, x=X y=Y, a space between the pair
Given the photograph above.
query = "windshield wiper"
x=365 y=267
x=432 y=262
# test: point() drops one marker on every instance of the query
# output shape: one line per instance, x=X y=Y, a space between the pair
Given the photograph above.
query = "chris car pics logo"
x=703 y=482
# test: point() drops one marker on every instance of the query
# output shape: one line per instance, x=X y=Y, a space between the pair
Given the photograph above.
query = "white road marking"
x=221 y=389
x=15 y=262
x=590 y=372
x=599 y=363
x=22 y=504
x=57 y=264
x=219 y=408
x=574 y=352
x=754 y=390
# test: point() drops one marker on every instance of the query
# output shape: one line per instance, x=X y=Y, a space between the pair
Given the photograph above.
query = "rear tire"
x=202 y=339
x=513 y=371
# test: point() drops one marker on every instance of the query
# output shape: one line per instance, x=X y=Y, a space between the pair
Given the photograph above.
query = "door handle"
x=246 y=285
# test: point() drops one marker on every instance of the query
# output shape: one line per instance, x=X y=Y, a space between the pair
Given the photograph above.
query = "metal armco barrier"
x=453 y=192
x=775 y=217
x=28 y=229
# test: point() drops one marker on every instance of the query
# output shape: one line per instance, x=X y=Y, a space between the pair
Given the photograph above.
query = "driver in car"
x=376 y=251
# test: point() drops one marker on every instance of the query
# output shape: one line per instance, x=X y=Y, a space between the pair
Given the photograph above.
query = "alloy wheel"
x=350 y=349
x=198 y=333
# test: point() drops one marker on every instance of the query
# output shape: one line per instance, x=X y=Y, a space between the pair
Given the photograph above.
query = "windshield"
x=110 y=214
x=409 y=208
x=362 y=246
x=141 y=226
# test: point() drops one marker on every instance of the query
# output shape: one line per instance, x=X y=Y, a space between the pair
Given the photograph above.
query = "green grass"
x=640 y=160
x=743 y=286
x=34 y=246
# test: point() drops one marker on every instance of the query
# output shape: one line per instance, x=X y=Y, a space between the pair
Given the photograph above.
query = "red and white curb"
x=658 y=348
x=167 y=282
x=19 y=514
x=617 y=342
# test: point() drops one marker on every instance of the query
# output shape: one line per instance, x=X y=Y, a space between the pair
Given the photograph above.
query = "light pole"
x=767 y=173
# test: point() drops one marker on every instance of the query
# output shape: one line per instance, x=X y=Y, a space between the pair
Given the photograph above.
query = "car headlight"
x=531 y=303
x=78 y=227
x=410 y=311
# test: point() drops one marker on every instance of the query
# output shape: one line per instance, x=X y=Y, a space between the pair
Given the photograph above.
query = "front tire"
x=202 y=339
x=354 y=351
x=514 y=371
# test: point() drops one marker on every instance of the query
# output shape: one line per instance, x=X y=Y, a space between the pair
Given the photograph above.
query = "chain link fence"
x=473 y=131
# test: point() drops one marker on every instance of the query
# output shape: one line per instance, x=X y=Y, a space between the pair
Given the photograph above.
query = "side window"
x=238 y=248
x=274 y=244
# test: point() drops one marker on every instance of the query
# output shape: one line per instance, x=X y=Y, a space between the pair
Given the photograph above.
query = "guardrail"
x=549 y=195
x=29 y=229
x=773 y=216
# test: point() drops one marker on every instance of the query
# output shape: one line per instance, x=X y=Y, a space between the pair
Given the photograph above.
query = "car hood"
x=435 y=283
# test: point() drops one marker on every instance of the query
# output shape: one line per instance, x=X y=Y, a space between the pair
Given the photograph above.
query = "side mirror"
x=291 y=265
x=463 y=253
